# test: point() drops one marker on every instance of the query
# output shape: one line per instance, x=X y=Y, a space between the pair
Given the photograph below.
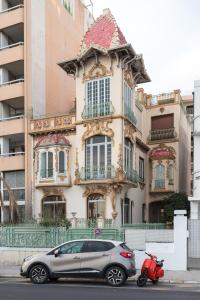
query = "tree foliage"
x=174 y=202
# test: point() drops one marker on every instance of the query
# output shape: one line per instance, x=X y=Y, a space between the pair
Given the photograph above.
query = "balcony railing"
x=131 y=175
x=11 y=118
x=190 y=110
x=12 y=82
x=161 y=134
x=159 y=184
x=97 y=172
x=97 y=110
x=12 y=154
x=129 y=114
x=12 y=45
x=12 y=8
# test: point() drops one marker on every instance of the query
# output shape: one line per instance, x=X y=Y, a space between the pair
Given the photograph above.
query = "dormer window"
x=97 y=98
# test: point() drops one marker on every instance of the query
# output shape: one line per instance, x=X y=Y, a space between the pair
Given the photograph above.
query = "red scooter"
x=151 y=269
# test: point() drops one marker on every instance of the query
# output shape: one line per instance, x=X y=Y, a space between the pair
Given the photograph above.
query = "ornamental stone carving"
x=129 y=131
x=162 y=152
x=119 y=170
x=96 y=189
x=77 y=173
x=128 y=77
x=97 y=71
x=98 y=127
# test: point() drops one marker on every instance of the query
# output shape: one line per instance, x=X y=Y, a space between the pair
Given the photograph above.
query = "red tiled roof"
x=104 y=33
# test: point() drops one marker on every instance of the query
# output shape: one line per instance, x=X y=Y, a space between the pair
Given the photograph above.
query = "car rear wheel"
x=115 y=276
x=39 y=274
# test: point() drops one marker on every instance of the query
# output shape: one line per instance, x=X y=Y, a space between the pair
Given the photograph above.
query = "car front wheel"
x=39 y=274
x=115 y=276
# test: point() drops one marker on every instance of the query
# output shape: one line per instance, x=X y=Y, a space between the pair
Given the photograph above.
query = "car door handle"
x=106 y=254
x=76 y=257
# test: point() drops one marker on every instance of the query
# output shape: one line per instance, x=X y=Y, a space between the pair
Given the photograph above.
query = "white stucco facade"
x=195 y=199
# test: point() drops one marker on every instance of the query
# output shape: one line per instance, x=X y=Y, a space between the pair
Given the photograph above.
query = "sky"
x=167 y=33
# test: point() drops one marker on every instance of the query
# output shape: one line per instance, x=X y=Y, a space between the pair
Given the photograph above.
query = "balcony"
x=129 y=114
x=12 y=89
x=162 y=186
x=97 y=173
x=12 y=161
x=162 y=134
x=11 y=16
x=11 y=53
x=98 y=110
x=12 y=125
x=132 y=175
x=51 y=178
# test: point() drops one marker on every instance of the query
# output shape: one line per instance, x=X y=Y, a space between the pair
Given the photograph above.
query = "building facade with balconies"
x=91 y=162
x=32 y=35
x=168 y=135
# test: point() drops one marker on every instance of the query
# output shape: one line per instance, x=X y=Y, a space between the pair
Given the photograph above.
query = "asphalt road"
x=19 y=289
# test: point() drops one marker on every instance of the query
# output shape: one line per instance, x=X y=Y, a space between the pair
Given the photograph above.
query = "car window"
x=96 y=246
x=125 y=247
x=109 y=245
x=72 y=247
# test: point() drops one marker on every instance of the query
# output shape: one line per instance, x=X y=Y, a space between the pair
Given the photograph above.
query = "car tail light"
x=126 y=254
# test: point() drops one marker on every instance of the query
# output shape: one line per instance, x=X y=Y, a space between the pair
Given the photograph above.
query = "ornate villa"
x=118 y=151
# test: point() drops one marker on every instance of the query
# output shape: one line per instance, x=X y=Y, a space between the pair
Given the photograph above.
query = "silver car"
x=107 y=259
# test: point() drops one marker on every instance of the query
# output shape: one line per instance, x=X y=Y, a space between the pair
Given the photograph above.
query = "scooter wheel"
x=142 y=280
x=155 y=281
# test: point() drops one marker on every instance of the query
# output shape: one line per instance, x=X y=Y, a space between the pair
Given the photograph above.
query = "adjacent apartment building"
x=34 y=36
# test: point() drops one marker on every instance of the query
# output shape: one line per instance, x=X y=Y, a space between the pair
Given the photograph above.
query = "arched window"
x=96 y=206
x=128 y=157
x=160 y=176
x=46 y=165
x=54 y=207
x=61 y=169
x=98 y=157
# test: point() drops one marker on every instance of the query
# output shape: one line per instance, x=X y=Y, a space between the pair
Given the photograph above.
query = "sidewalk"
x=192 y=276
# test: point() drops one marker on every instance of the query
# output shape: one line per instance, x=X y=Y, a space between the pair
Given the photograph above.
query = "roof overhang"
x=125 y=54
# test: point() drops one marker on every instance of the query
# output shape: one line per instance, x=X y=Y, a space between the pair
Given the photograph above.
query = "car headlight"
x=28 y=258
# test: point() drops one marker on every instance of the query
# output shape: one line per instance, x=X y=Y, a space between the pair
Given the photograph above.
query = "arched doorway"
x=96 y=206
x=54 y=207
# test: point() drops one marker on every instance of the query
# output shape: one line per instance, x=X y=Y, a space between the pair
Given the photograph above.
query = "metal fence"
x=36 y=236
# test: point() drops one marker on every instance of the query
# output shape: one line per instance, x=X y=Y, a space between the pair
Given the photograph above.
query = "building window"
x=128 y=98
x=97 y=98
x=46 y=170
x=141 y=168
x=54 y=207
x=128 y=157
x=61 y=162
x=96 y=206
x=170 y=174
x=162 y=127
x=160 y=177
x=98 y=157
x=16 y=182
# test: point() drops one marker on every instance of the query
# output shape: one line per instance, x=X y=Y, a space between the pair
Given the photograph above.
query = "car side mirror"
x=56 y=252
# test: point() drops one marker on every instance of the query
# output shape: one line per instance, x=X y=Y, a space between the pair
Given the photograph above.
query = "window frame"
x=128 y=155
x=64 y=163
x=46 y=152
x=141 y=168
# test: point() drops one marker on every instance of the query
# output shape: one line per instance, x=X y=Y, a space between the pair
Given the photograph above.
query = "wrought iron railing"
x=97 y=172
x=160 y=134
x=129 y=114
x=159 y=184
x=131 y=175
x=97 y=110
